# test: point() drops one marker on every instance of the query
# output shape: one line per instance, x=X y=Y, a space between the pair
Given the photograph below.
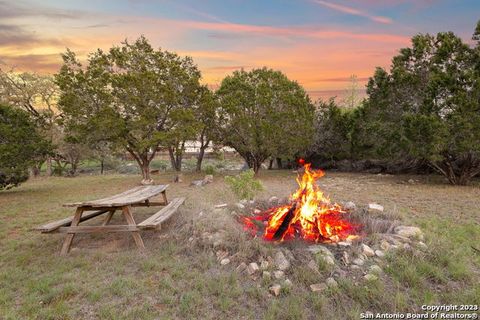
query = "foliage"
x=209 y=169
x=426 y=107
x=264 y=114
x=133 y=96
x=20 y=145
x=244 y=185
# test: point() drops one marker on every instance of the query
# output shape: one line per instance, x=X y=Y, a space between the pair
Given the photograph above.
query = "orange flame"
x=310 y=215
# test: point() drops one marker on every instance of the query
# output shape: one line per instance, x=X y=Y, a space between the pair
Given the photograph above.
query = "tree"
x=20 y=145
x=37 y=95
x=133 y=96
x=208 y=123
x=264 y=114
x=352 y=99
x=428 y=106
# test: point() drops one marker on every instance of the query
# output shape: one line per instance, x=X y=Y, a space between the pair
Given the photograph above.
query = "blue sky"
x=319 y=43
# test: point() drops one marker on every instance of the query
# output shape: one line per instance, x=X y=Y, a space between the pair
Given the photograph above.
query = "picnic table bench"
x=136 y=197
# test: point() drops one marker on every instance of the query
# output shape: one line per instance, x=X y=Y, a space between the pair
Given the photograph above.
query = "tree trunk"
x=49 y=167
x=200 y=158
x=270 y=164
x=279 y=163
x=102 y=165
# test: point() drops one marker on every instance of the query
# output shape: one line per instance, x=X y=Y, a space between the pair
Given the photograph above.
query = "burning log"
x=278 y=235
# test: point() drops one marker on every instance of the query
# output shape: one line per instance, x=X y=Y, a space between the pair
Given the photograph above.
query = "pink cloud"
x=353 y=11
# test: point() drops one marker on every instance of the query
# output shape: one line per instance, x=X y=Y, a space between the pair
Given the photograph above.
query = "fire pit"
x=309 y=215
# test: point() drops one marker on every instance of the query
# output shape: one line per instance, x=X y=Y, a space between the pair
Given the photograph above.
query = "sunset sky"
x=319 y=43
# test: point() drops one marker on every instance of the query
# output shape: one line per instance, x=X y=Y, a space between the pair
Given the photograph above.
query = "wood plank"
x=53 y=225
x=135 y=234
x=69 y=238
x=162 y=215
x=150 y=204
x=98 y=229
x=135 y=195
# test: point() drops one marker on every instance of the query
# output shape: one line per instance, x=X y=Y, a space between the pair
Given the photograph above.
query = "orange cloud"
x=353 y=11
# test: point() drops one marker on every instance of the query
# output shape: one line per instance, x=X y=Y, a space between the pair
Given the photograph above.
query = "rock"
x=318 y=287
x=366 y=250
x=384 y=245
x=240 y=206
x=331 y=283
x=147 y=182
x=264 y=265
x=221 y=254
x=241 y=267
x=197 y=183
x=358 y=261
x=406 y=246
x=379 y=253
x=374 y=207
x=244 y=202
x=225 y=261
x=319 y=249
x=287 y=283
x=344 y=243
x=312 y=265
x=275 y=289
x=375 y=269
x=370 y=277
x=252 y=268
x=329 y=260
x=221 y=206
x=257 y=211
x=409 y=232
x=349 y=206
x=266 y=275
x=340 y=273
x=273 y=201
x=422 y=245
x=355 y=267
x=281 y=262
x=346 y=258
x=208 y=178
x=279 y=274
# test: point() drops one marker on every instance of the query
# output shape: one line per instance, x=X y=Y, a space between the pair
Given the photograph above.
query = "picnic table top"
x=132 y=196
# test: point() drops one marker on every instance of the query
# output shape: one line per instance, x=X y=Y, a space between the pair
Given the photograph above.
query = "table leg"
x=108 y=217
x=164 y=195
x=69 y=238
x=136 y=235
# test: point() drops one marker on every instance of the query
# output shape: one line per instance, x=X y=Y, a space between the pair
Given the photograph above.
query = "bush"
x=244 y=185
x=209 y=169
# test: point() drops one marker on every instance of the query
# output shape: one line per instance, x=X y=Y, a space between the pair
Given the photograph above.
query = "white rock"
x=384 y=245
x=319 y=249
x=264 y=265
x=279 y=274
x=349 y=206
x=375 y=207
x=329 y=260
x=275 y=289
x=344 y=243
x=409 y=232
x=370 y=277
x=221 y=206
x=198 y=183
x=244 y=201
x=312 y=265
x=281 y=262
x=208 y=178
x=240 y=206
x=358 y=262
x=366 y=250
x=375 y=269
x=241 y=267
x=252 y=268
x=422 y=245
x=318 y=287
x=225 y=261
x=257 y=211
x=411 y=181
x=273 y=201
x=331 y=283
x=379 y=253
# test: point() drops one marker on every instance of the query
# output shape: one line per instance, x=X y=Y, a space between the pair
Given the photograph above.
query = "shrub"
x=244 y=185
x=209 y=169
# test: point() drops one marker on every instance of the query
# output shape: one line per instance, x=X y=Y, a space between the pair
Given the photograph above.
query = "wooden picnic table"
x=136 y=197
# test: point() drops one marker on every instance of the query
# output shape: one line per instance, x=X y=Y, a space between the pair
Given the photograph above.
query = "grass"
x=105 y=277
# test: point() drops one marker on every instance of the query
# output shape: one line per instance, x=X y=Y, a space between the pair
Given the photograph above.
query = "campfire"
x=309 y=215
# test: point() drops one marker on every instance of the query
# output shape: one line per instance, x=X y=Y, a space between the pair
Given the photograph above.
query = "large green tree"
x=264 y=114
x=20 y=146
x=133 y=96
x=428 y=106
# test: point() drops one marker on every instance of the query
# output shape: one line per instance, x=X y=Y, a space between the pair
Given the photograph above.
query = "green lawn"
x=105 y=277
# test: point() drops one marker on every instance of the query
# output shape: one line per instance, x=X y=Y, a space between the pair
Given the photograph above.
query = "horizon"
x=317 y=43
